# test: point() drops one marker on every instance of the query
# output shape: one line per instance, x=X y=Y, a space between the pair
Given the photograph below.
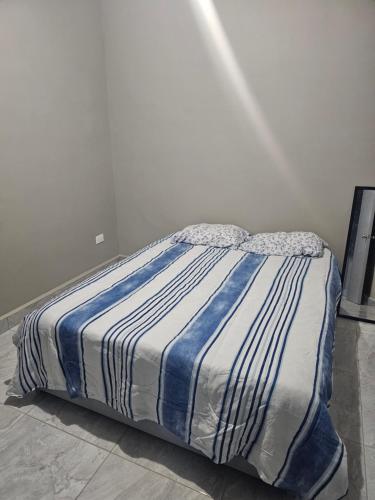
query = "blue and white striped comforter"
x=229 y=351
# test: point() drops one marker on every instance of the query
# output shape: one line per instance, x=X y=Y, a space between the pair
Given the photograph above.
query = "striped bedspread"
x=229 y=351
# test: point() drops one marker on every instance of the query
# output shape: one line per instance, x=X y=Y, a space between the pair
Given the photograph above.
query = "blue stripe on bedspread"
x=314 y=456
x=35 y=316
x=127 y=331
x=311 y=462
x=179 y=360
x=70 y=328
x=316 y=451
x=196 y=280
x=281 y=302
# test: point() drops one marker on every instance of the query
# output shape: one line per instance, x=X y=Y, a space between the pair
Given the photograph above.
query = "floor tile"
x=345 y=406
x=8 y=417
x=120 y=479
x=368 y=409
x=347 y=423
x=370 y=471
x=238 y=486
x=40 y=462
x=25 y=403
x=176 y=463
x=345 y=391
x=366 y=354
x=85 y=424
x=356 y=471
x=366 y=361
x=346 y=339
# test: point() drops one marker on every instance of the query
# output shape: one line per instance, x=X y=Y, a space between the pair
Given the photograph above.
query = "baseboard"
x=13 y=317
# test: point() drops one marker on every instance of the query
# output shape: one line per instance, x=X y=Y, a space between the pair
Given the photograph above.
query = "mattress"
x=231 y=352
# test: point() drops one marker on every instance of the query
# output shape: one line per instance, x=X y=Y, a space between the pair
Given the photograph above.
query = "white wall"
x=274 y=138
x=56 y=184
x=251 y=112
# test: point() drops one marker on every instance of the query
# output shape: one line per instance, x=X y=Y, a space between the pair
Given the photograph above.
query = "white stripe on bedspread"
x=229 y=351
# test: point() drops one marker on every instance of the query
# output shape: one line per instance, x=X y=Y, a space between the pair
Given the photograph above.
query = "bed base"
x=238 y=463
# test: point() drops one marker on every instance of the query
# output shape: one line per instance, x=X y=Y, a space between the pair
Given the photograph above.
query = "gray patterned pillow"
x=216 y=235
x=288 y=244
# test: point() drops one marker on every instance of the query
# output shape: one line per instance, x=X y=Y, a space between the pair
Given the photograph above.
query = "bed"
x=226 y=352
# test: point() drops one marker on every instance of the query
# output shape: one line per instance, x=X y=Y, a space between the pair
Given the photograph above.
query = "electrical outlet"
x=99 y=238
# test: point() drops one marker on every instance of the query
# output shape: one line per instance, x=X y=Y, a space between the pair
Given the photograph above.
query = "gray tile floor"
x=52 y=449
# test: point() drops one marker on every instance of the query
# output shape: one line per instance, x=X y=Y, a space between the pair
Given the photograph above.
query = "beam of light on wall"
x=229 y=69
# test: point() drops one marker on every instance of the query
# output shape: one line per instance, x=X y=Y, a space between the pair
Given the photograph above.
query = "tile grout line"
x=93 y=475
x=110 y=452
x=15 y=408
x=119 y=438
x=143 y=467
x=29 y=407
x=17 y=419
x=66 y=432
x=158 y=473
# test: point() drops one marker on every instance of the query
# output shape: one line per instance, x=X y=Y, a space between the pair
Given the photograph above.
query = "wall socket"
x=99 y=238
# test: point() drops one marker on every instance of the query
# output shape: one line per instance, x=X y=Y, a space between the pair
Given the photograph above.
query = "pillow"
x=216 y=235
x=288 y=244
